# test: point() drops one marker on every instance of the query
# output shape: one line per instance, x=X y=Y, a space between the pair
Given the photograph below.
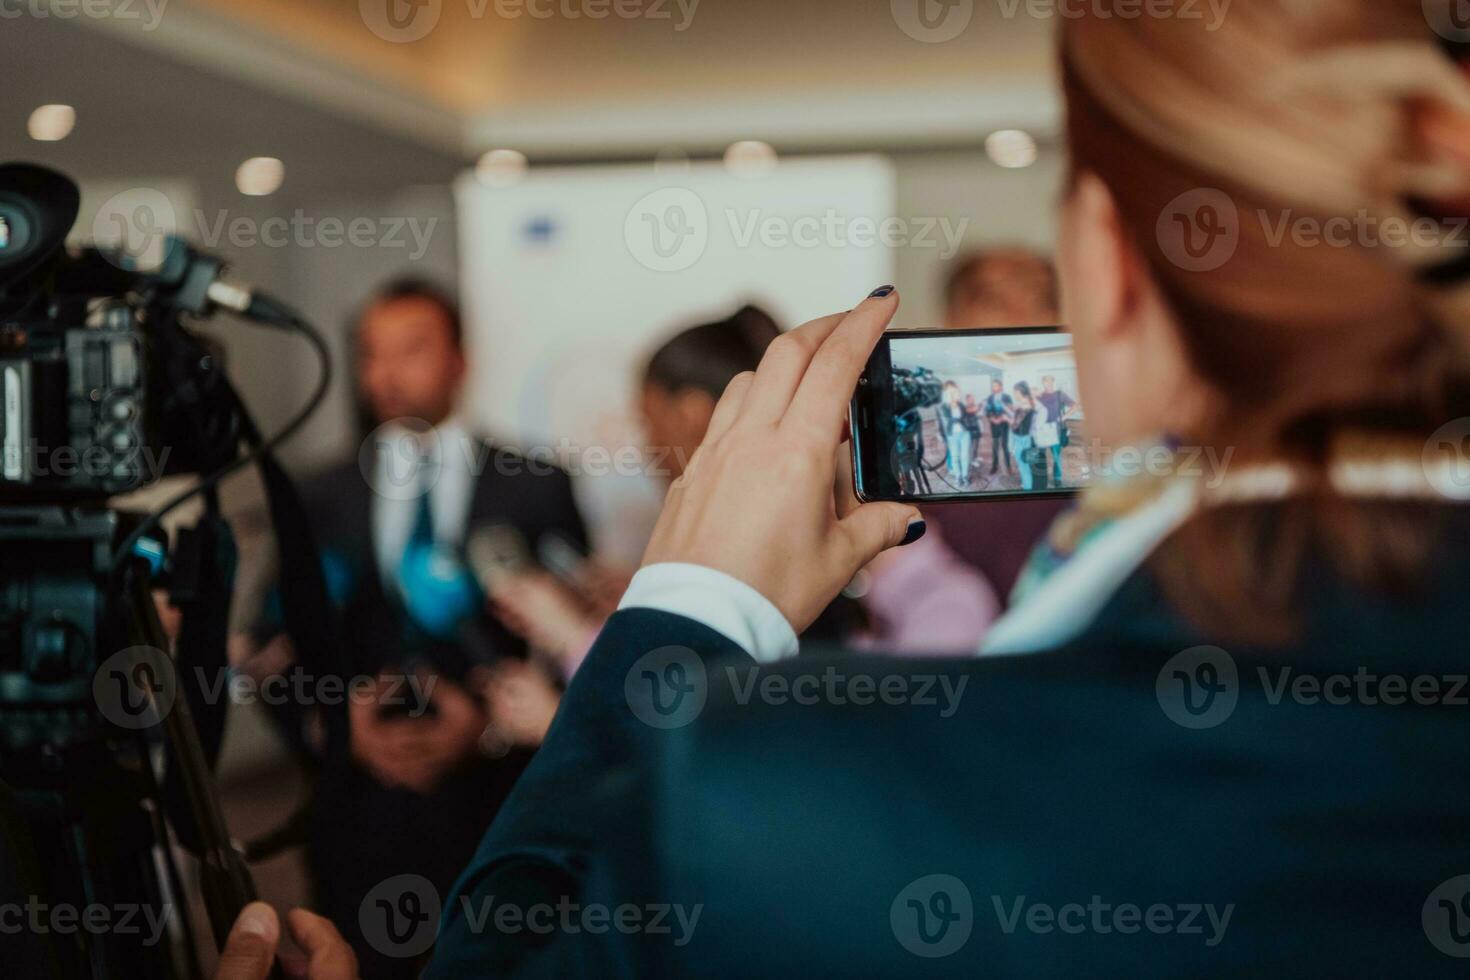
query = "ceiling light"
x=51 y=123
x=750 y=158
x=501 y=168
x=1011 y=148
x=260 y=176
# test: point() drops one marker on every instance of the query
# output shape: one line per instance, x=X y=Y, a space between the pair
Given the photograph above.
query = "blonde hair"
x=1292 y=109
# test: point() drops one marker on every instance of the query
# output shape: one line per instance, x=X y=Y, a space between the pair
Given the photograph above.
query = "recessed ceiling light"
x=501 y=168
x=51 y=123
x=1011 y=148
x=260 y=176
x=750 y=158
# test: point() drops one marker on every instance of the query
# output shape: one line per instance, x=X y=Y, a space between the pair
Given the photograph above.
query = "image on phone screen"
x=965 y=414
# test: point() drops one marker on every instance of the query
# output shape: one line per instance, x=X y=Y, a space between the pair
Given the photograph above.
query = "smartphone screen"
x=944 y=415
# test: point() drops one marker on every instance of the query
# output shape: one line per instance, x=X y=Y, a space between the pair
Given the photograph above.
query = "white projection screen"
x=571 y=276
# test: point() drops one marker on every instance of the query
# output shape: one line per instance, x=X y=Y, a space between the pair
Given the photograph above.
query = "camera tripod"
x=100 y=756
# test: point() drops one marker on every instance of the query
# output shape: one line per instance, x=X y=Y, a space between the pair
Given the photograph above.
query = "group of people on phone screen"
x=1028 y=431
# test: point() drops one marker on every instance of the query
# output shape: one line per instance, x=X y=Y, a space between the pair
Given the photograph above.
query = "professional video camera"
x=97 y=377
x=105 y=388
x=915 y=388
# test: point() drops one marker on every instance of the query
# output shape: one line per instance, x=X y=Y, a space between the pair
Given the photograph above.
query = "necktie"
x=422 y=535
x=414 y=557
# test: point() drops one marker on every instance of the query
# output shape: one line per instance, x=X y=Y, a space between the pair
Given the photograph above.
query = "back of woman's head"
x=1292 y=111
x=705 y=357
x=1323 y=115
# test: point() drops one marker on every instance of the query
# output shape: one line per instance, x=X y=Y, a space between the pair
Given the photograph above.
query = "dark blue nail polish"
x=880 y=292
x=915 y=532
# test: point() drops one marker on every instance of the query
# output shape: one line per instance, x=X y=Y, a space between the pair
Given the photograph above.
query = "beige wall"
x=1000 y=207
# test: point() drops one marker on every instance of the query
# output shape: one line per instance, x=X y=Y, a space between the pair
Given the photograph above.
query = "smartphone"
x=561 y=557
x=956 y=415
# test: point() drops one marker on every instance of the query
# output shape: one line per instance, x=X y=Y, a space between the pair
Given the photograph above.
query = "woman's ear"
x=1100 y=287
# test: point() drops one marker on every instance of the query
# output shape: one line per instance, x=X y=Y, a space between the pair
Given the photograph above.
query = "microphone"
x=248 y=302
x=439 y=593
x=498 y=553
x=194 y=281
x=562 y=558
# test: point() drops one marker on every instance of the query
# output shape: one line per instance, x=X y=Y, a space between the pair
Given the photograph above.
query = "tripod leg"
x=224 y=878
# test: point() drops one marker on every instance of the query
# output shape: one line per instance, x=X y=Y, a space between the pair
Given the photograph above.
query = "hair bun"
x=756 y=327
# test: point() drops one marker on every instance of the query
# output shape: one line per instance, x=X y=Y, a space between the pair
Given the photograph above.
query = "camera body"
x=102 y=389
x=915 y=388
x=74 y=409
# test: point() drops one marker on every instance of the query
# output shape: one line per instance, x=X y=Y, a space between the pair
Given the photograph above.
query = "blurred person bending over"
x=418 y=790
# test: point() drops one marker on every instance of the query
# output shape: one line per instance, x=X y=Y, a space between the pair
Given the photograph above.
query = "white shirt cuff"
x=722 y=602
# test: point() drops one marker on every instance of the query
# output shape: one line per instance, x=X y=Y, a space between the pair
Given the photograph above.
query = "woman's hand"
x=764 y=498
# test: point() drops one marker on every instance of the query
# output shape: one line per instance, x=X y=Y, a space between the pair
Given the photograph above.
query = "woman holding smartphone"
x=1146 y=745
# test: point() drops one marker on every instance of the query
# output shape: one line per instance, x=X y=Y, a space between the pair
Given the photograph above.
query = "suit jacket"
x=1109 y=809
x=363 y=832
x=533 y=497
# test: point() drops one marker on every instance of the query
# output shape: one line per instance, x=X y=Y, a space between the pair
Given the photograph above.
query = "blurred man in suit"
x=418 y=789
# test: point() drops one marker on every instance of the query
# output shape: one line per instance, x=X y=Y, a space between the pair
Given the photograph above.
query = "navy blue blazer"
x=1128 y=805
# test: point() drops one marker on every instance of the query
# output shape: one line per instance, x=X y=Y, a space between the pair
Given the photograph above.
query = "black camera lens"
x=15 y=232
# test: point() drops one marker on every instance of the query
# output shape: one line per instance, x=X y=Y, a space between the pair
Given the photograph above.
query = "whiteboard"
x=573 y=275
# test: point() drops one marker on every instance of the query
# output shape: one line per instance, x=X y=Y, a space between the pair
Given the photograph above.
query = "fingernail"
x=257 y=919
x=916 y=530
x=880 y=292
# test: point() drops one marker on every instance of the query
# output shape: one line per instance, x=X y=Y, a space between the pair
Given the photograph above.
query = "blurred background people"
x=423 y=779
